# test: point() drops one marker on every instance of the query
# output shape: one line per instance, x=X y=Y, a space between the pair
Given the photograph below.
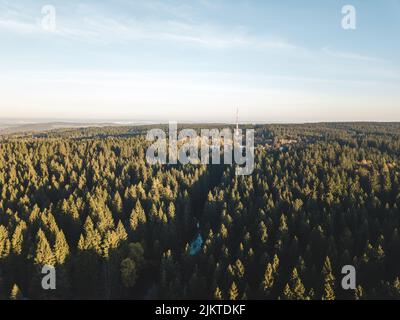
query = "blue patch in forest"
x=195 y=246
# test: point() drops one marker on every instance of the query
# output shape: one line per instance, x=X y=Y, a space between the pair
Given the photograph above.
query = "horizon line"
x=120 y=122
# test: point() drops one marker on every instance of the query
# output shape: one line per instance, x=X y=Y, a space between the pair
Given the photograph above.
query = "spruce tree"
x=233 y=292
x=16 y=293
x=329 y=281
x=43 y=255
x=61 y=248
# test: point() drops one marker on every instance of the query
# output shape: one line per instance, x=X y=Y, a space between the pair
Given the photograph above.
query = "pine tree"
x=396 y=288
x=15 y=293
x=294 y=290
x=268 y=281
x=359 y=293
x=61 y=248
x=18 y=238
x=121 y=232
x=92 y=238
x=4 y=242
x=217 y=294
x=287 y=293
x=43 y=255
x=171 y=211
x=283 y=227
x=224 y=232
x=239 y=269
x=262 y=231
x=275 y=263
x=233 y=292
x=138 y=216
x=297 y=204
x=117 y=203
x=329 y=281
x=329 y=293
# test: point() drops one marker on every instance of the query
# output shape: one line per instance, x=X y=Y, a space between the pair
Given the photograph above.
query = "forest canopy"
x=85 y=201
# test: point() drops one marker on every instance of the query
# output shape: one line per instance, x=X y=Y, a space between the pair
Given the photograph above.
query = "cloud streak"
x=100 y=29
x=350 y=55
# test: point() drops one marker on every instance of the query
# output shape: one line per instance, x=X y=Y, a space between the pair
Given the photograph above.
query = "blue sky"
x=278 y=61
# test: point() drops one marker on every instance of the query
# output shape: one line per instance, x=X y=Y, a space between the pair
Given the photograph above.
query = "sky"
x=199 y=60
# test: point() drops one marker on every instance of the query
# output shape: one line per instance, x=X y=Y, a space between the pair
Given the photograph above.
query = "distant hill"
x=41 y=127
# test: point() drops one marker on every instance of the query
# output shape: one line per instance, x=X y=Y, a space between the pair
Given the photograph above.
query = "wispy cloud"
x=350 y=55
x=19 y=27
x=13 y=19
x=205 y=35
x=98 y=28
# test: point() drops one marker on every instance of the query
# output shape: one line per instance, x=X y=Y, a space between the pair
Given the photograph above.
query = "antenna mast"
x=237 y=118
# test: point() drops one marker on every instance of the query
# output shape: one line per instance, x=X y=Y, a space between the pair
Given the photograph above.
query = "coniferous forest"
x=85 y=201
